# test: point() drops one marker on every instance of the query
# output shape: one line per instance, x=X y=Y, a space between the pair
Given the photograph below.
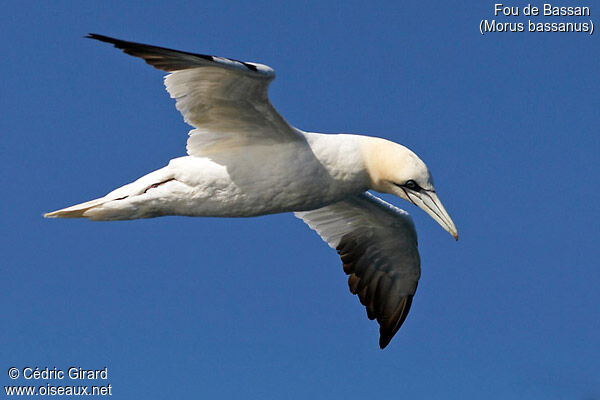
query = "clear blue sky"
x=188 y=308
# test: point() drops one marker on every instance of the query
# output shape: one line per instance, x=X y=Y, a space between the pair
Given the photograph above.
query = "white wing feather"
x=226 y=100
x=228 y=108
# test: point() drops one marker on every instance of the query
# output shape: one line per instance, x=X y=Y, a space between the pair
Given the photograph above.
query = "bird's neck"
x=341 y=156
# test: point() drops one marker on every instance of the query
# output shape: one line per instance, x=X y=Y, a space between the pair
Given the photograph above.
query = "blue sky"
x=259 y=308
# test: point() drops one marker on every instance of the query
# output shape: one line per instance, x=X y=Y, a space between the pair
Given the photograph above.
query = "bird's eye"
x=410 y=184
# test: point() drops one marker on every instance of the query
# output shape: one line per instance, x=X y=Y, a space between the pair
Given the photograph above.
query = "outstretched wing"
x=377 y=243
x=226 y=100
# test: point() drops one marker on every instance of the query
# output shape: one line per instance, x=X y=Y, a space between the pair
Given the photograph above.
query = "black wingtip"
x=384 y=341
x=101 y=38
x=385 y=333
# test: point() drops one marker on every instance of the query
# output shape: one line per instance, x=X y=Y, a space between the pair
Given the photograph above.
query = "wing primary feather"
x=386 y=334
x=174 y=60
x=353 y=281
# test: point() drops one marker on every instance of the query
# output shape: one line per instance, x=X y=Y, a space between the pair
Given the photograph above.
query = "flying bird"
x=245 y=160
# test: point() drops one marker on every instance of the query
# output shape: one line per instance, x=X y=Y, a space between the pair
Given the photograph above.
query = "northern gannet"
x=245 y=160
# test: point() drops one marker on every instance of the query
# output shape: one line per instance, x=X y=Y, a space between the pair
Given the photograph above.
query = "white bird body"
x=245 y=160
x=243 y=181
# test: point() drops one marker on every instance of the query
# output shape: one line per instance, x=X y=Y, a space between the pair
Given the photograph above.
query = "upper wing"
x=377 y=243
x=226 y=100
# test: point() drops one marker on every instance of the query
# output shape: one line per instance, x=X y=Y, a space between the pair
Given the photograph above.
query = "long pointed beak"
x=428 y=201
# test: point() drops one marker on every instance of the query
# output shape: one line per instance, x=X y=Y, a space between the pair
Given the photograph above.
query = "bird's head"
x=396 y=170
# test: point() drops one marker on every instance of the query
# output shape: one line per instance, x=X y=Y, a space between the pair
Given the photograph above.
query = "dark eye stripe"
x=412 y=185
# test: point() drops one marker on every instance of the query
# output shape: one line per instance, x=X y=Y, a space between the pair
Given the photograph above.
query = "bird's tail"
x=76 y=211
x=132 y=201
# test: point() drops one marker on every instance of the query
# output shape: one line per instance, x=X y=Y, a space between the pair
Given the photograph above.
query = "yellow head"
x=396 y=170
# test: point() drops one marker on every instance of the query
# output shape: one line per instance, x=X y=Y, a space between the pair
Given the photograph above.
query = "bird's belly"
x=245 y=189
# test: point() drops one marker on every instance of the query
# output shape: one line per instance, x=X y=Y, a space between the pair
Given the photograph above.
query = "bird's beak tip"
x=453 y=232
x=429 y=202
